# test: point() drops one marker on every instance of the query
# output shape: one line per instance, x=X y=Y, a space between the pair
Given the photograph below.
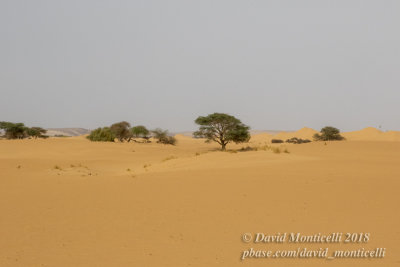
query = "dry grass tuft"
x=276 y=150
x=56 y=167
x=169 y=158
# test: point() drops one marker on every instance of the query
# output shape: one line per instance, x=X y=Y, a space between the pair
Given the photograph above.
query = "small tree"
x=36 y=132
x=222 y=128
x=140 y=132
x=163 y=137
x=328 y=133
x=101 y=135
x=122 y=131
x=13 y=130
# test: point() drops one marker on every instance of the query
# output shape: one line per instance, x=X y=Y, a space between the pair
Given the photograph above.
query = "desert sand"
x=71 y=202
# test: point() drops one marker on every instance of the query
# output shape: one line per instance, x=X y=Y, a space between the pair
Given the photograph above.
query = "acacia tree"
x=222 y=129
x=20 y=131
x=36 y=132
x=140 y=132
x=328 y=133
x=122 y=131
x=13 y=130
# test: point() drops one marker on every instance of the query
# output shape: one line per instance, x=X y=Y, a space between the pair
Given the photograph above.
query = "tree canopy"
x=36 y=132
x=122 y=131
x=102 y=135
x=328 y=133
x=140 y=132
x=222 y=129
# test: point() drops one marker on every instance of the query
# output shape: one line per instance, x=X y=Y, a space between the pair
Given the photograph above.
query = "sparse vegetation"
x=276 y=141
x=163 y=137
x=222 y=129
x=265 y=147
x=276 y=150
x=248 y=148
x=328 y=133
x=102 y=135
x=60 y=135
x=169 y=158
x=296 y=140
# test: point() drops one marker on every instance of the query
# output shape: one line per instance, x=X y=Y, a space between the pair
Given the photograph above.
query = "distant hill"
x=67 y=131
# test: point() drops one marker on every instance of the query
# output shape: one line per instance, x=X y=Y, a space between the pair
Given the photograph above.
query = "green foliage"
x=328 y=133
x=20 y=131
x=122 y=131
x=13 y=130
x=140 y=132
x=163 y=137
x=102 y=135
x=36 y=132
x=222 y=129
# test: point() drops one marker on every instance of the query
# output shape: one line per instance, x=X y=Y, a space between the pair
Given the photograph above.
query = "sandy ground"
x=70 y=202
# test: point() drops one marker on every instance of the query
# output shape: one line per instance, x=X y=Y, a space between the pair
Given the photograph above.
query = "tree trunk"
x=223 y=146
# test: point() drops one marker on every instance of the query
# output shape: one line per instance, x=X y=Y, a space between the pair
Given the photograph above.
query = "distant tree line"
x=217 y=127
x=20 y=131
x=327 y=133
x=123 y=132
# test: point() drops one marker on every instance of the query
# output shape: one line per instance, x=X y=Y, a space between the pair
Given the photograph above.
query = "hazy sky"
x=273 y=64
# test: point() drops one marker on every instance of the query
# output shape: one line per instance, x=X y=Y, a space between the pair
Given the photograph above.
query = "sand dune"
x=372 y=134
x=304 y=133
x=367 y=134
x=71 y=202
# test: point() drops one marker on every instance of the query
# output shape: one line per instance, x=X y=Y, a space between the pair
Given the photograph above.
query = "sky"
x=276 y=65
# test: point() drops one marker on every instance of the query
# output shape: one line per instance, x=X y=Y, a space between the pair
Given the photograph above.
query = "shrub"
x=276 y=150
x=248 y=148
x=328 y=133
x=163 y=137
x=169 y=158
x=102 y=135
x=296 y=140
x=276 y=141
